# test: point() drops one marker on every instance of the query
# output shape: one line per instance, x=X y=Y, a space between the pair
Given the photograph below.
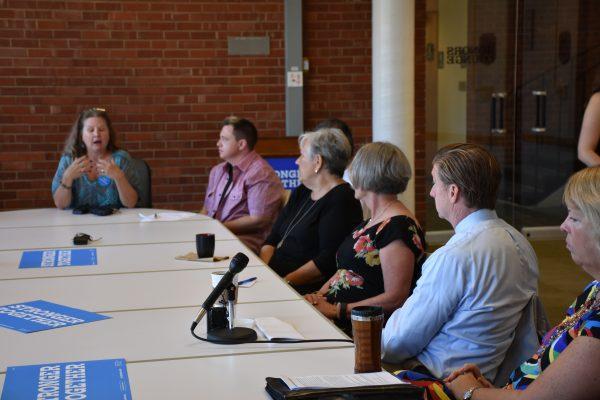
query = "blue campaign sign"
x=97 y=379
x=287 y=170
x=58 y=258
x=41 y=315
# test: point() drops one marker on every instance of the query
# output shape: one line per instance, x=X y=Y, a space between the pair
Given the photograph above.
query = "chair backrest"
x=531 y=328
x=542 y=324
x=144 y=188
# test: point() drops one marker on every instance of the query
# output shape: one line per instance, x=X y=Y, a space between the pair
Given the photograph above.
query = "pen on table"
x=243 y=282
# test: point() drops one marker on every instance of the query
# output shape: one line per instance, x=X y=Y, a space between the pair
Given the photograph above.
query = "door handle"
x=493 y=113
x=497 y=113
x=540 y=111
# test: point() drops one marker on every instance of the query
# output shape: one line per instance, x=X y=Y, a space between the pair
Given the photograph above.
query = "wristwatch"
x=469 y=393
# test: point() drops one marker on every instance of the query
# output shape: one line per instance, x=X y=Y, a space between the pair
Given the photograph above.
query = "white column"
x=393 y=25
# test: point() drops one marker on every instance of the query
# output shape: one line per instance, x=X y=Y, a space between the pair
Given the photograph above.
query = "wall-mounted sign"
x=294 y=79
x=462 y=54
x=287 y=170
x=483 y=53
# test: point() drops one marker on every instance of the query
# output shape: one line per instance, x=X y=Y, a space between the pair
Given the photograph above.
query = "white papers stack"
x=166 y=216
x=273 y=328
x=342 y=381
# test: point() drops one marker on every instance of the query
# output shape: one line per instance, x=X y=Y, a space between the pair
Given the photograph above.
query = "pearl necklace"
x=569 y=322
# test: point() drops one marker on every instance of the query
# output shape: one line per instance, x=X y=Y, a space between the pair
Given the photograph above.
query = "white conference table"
x=202 y=378
x=55 y=217
x=151 y=300
x=163 y=334
x=230 y=376
x=122 y=234
x=139 y=291
x=131 y=258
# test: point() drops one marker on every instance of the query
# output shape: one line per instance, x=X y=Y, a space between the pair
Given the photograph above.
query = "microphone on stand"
x=237 y=264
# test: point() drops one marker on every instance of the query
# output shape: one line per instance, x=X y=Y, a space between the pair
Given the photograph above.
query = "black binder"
x=278 y=390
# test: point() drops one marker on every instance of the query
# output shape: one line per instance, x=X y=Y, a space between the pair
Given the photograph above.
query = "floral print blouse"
x=359 y=275
x=557 y=340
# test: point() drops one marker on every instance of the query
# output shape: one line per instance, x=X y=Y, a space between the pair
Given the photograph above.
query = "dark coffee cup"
x=367 y=323
x=205 y=245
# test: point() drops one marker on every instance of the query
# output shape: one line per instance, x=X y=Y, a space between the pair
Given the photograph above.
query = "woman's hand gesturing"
x=109 y=168
x=78 y=167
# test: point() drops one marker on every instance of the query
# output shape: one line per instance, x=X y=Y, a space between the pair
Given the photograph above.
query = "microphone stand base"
x=236 y=335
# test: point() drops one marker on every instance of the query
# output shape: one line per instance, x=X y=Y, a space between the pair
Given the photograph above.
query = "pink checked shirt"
x=255 y=190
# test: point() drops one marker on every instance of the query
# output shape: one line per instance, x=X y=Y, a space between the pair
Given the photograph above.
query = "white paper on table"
x=244 y=322
x=342 y=381
x=274 y=328
x=166 y=216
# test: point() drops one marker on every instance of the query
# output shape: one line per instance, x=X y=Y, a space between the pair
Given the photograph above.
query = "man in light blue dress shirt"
x=473 y=290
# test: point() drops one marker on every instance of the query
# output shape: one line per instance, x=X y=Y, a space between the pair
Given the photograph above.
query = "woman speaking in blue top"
x=92 y=171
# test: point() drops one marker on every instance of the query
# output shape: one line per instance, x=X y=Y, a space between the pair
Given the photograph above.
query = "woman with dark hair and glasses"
x=93 y=171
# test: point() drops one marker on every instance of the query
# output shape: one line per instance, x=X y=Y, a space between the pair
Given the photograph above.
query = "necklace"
x=569 y=322
x=293 y=222
x=379 y=214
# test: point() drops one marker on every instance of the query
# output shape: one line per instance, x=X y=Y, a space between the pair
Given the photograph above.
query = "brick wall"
x=162 y=71
x=337 y=41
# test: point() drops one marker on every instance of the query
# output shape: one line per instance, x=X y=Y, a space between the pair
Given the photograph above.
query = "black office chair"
x=144 y=188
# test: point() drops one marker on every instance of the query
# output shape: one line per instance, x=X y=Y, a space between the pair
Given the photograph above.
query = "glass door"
x=555 y=67
x=490 y=89
x=513 y=76
x=472 y=79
